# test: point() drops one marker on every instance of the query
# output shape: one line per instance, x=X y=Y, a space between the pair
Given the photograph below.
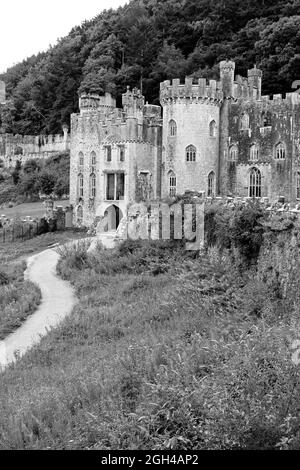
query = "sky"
x=31 y=26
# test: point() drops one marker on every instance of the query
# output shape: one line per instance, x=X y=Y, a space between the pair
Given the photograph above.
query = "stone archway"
x=114 y=216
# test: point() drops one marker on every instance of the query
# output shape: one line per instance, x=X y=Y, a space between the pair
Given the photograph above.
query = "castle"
x=221 y=137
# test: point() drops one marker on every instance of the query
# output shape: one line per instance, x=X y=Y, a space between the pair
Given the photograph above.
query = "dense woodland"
x=148 y=41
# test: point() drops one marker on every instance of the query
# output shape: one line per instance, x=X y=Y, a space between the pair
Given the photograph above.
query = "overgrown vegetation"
x=25 y=183
x=18 y=298
x=145 y=42
x=195 y=357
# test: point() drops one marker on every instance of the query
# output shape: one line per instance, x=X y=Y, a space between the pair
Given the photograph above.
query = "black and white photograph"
x=149 y=229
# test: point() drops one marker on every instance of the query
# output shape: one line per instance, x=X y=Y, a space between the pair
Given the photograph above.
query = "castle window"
x=255 y=183
x=172 y=128
x=115 y=186
x=266 y=119
x=190 y=153
x=212 y=129
x=298 y=185
x=108 y=153
x=122 y=153
x=93 y=185
x=81 y=159
x=79 y=215
x=254 y=152
x=93 y=162
x=233 y=153
x=172 y=184
x=80 y=185
x=244 y=121
x=280 y=151
x=211 y=184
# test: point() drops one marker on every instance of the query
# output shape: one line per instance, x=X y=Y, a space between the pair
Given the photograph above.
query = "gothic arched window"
x=233 y=153
x=93 y=185
x=172 y=184
x=79 y=215
x=211 y=184
x=190 y=153
x=254 y=183
x=172 y=128
x=93 y=161
x=212 y=129
x=244 y=121
x=254 y=152
x=80 y=159
x=80 y=185
x=280 y=151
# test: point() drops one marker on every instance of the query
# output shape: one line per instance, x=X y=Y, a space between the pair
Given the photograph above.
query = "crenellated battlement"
x=210 y=92
x=289 y=99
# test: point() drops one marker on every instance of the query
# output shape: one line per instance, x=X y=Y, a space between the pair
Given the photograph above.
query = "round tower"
x=191 y=128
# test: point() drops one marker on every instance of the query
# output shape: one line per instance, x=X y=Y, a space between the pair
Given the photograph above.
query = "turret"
x=133 y=102
x=88 y=103
x=227 y=68
x=254 y=80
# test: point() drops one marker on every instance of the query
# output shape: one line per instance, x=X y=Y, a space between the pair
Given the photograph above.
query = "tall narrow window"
x=280 y=151
x=212 y=129
x=298 y=185
x=233 y=153
x=93 y=162
x=80 y=159
x=190 y=153
x=93 y=185
x=266 y=118
x=80 y=185
x=108 y=153
x=254 y=152
x=79 y=215
x=255 y=183
x=172 y=128
x=244 y=121
x=172 y=184
x=115 y=186
x=122 y=153
x=211 y=184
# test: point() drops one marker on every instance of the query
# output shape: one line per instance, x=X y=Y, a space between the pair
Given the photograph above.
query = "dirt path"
x=58 y=300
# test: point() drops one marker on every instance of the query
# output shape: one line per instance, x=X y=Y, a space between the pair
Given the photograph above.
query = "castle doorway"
x=114 y=216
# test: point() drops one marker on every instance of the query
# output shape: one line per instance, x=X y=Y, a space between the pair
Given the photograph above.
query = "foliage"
x=147 y=41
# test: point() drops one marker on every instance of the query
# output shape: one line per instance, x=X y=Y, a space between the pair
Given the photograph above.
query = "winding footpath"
x=58 y=300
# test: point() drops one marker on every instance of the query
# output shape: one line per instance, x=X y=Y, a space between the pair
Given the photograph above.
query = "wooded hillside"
x=146 y=42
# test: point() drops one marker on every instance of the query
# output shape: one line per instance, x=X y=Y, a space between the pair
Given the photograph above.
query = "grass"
x=18 y=298
x=158 y=359
x=33 y=209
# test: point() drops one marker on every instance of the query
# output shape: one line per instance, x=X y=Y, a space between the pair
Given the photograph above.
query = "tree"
x=16 y=172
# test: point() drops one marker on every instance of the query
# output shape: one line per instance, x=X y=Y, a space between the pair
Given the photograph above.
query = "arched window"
x=233 y=153
x=93 y=185
x=79 y=215
x=172 y=184
x=298 y=185
x=211 y=184
x=212 y=129
x=280 y=151
x=81 y=159
x=80 y=185
x=244 y=121
x=190 y=153
x=255 y=183
x=172 y=128
x=254 y=152
x=93 y=161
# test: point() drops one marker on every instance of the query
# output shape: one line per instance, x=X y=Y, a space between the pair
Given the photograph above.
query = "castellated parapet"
x=210 y=93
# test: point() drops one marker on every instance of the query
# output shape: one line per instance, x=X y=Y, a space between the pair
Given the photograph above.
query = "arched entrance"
x=114 y=216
